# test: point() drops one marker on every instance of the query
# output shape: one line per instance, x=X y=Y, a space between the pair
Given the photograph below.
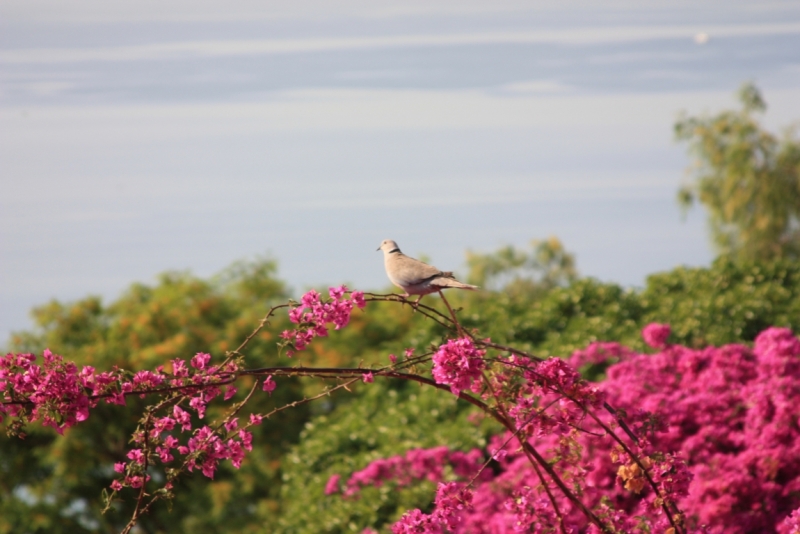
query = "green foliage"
x=384 y=419
x=727 y=303
x=747 y=179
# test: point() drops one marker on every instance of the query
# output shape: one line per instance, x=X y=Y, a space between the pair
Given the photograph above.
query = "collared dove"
x=413 y=276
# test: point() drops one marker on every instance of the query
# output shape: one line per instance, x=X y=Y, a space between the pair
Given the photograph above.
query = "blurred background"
x=139 y=137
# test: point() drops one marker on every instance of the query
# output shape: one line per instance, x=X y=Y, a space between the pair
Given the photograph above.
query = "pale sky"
x=139 y=137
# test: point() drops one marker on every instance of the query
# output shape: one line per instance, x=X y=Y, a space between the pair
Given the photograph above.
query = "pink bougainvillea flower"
x=332 y=486
x=200 y=360
x=656 y=334
x=458 y=364
x=269 y=385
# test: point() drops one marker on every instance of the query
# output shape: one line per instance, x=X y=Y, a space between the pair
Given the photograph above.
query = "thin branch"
x=550 y=495
x=140 y=498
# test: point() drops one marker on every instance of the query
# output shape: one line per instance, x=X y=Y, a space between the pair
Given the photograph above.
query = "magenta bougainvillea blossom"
x=452 y=500
x=416 y=465
x=458 y=364
x=732 y=413
x=314 y=316
x=656 y=335
x=718 y=431
x=790 y=525
x=60 y=395
x=56 y=389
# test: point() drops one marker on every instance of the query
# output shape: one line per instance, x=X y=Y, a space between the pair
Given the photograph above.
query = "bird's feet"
x=413 y=304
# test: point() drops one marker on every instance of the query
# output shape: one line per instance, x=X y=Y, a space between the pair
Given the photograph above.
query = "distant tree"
x=747 y=178
x=547 y=265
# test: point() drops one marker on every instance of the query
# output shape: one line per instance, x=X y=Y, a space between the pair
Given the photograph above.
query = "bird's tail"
x=450 y=282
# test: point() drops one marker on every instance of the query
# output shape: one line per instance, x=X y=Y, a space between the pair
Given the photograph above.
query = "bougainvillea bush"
x=731 y=413
x=684 y=440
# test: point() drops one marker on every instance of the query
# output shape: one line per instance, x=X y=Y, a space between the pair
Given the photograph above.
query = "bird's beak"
x=377 y=249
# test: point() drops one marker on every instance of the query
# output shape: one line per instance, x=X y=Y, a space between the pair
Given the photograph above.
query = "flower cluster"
x=56 y=392
x=790 y=525
x=600 y=352
x=452 y=499
x=731 y=412
x=717 y=436
x=656 y=335
x=203 y=447
x=314 y=316
x=458 y=363
x=531 y=510
x=551 y=398
x=558 y=376
x=61 y=395
x=414 y=465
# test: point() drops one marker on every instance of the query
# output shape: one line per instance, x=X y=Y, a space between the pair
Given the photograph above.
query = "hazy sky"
x=139 y=137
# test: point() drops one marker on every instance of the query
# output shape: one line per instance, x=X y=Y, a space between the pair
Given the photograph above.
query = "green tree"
x=548 y=264
x=52 y=483
x=747 y=178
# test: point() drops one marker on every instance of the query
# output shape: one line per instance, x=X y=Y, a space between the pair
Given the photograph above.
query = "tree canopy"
x=747 y=178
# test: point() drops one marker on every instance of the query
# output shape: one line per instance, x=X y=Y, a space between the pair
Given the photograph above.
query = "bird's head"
x=387 y=245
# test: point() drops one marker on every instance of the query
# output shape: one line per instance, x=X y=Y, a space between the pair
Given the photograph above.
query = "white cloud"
x=536 y=86
x=93 y=11
x=701 y=38
x=324 y=110
x=45 y=88
x=229 y=48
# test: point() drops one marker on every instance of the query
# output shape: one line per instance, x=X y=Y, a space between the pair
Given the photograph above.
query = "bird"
x=415 y=277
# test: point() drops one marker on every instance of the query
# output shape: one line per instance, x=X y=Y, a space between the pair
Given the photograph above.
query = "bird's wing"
x=409 y=271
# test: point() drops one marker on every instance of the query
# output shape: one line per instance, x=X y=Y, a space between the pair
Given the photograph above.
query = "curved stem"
x=427 y=311
x=531 y=460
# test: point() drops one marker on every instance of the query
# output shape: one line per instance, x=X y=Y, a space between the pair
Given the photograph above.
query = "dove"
x=413 y=276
